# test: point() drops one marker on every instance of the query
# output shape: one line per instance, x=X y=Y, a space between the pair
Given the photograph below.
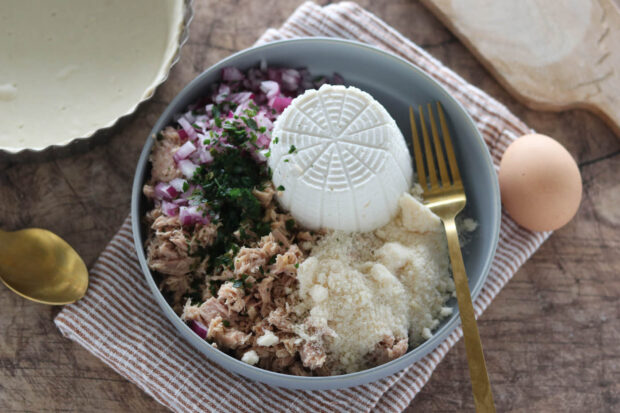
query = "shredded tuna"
x=211 y=309
x=249 y=260
x=285 y=263
x=190 y=312
x=279 y=318
x=203 y=235
x=312 y=355
x=164 y=168
x=264 y=290
x=265 y=196
x=224 y=336
x=165 y=257
x=233 y=297
x=298 y=370
x=388 y=349
x=148 y=191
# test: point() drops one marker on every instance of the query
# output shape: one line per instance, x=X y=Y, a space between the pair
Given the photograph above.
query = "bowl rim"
x=280 y=379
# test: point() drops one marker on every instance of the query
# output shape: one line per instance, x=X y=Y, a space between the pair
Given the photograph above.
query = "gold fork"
x=446 y=198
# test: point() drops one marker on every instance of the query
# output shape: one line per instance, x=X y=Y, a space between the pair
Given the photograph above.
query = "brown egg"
x=540 y=183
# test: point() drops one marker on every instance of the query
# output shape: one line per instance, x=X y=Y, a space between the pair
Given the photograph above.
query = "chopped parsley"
x=250 y=122
x=225 y=187
x=226 y=323
x=292 y=149
x=290 y=224
x=216 y=111
x=280 y=188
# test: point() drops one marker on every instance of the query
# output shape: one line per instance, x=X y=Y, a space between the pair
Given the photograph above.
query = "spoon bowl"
x=40 y=266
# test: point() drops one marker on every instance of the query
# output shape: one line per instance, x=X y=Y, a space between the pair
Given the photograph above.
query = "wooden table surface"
x=551 y=336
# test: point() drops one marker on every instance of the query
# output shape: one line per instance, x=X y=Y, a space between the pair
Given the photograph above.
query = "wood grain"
x=551 y=336
x=551 y=55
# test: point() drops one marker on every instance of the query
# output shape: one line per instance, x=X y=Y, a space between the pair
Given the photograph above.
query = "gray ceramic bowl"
x=396 y=84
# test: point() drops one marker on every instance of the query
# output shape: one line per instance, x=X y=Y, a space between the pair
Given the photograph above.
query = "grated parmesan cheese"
x=250 y=357
x=426 y=333
x=366 y=286
x=268 y=339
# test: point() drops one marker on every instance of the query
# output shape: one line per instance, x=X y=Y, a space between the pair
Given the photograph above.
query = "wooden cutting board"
x=551 y=55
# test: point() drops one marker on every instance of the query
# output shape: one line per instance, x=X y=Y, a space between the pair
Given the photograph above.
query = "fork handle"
x=481 y=387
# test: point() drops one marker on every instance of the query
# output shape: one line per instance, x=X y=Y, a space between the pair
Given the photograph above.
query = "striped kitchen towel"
x=119 y=322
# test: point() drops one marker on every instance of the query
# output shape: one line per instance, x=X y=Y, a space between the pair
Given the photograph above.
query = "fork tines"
x=434 y=154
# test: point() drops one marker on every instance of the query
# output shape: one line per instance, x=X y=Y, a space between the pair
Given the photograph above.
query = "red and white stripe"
x=120 y=323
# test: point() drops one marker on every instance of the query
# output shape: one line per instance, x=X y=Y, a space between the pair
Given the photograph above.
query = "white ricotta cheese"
x=341 y=159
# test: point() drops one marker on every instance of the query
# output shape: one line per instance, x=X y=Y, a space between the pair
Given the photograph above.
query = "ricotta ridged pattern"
x=121 y=324
x=341 y=158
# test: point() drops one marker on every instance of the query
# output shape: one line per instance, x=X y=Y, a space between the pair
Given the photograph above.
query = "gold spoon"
x=40 y=266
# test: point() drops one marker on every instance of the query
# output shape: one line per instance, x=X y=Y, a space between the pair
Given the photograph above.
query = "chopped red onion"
x=262 y=120
x=337 y=79
x=263 y=140
x=187 y=168
x=231 y=74
x=270 y=88
x=199 y=328
x=178 y=184
x=306 y=80
x=201 y=120
x=205 y=156
x=280 y=103
x=169 y=208
x=241 y=97
x=184 y=151
x=253 y=79
x=187 y=127
x=189 y=215
x=189 y=116
x=290 y=79
x=194 y=201
x=182 y=134
x=274 y=74
x=240 y=110
x=222 y=94
x=165 y=191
